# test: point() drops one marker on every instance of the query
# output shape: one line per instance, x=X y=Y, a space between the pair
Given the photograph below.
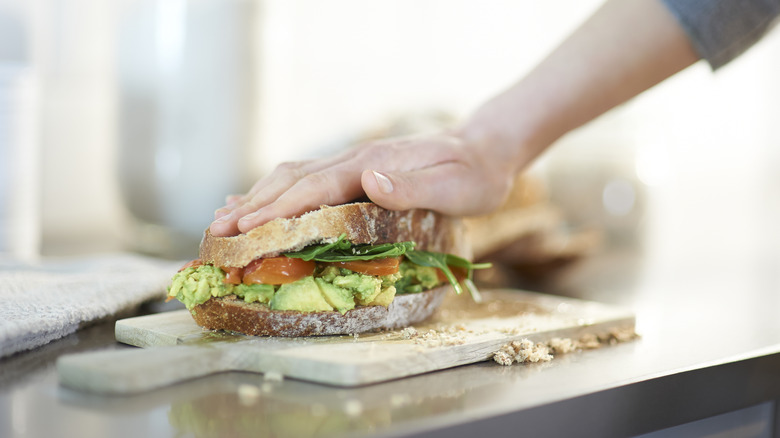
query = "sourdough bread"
x=362 y=222
x=231 y=313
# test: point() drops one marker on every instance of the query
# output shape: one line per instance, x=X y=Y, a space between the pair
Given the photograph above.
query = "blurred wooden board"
x=460 y=332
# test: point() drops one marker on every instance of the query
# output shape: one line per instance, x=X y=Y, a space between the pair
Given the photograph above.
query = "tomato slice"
x=277 y=270
x=378 y=267
x=233 y=275
x=192 y=264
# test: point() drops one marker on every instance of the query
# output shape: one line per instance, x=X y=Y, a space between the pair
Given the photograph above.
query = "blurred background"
x=125 y=123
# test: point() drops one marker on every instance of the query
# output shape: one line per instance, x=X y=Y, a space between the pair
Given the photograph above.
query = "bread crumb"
x=562 y=345
x=442 y=336
x=589 y=341
x=522 y=351
x=409 y=333
x=501 y=357
x=622 y=334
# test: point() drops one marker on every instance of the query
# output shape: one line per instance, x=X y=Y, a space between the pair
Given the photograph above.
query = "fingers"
x=269 y=187
x=332 y=186
x=231 y=202
x=292 y=193
x=265 y=191
x=233 y=199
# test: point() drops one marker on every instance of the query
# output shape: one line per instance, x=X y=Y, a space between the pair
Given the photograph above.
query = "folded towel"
x=45 y=301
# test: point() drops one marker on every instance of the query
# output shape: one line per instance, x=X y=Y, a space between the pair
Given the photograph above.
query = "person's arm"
x=625 y=48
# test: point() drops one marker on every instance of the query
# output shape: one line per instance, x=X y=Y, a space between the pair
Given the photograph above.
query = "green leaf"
x=472 y=288
x=343 y=251
x=460 y=262
x=435 y=260
x=312 y=252
x=443 y=262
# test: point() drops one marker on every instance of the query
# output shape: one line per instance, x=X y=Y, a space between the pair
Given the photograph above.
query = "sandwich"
x=346 y=269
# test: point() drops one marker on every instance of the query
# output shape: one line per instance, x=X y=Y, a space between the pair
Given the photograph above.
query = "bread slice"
x=231 y=313
x=362 y=222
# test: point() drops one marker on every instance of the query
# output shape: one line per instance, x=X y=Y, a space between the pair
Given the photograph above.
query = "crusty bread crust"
x=231 y=313
x=362 y=222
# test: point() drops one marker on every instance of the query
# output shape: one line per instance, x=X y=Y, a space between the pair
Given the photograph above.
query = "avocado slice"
x=302 y=295
x=339 y=298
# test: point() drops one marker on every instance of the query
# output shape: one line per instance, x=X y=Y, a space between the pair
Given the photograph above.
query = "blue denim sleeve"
x=721 y=30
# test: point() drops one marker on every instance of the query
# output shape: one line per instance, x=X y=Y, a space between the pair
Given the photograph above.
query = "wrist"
x=510 y=142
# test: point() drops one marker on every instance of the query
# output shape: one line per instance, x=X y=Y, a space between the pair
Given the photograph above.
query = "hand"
x=441 y=172
x=625 y=48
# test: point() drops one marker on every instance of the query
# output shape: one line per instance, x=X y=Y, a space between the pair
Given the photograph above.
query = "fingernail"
x=383 y=182
x=221 y=212
x=249 y=217
x=224 y=218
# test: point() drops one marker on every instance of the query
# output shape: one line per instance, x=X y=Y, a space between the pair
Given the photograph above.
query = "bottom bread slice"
x=230 y=313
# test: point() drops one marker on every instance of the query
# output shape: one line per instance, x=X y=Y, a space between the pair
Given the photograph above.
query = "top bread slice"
x=361 y=222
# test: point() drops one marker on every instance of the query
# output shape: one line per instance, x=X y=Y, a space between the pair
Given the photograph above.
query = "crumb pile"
x=525 y=351
x=522 y=351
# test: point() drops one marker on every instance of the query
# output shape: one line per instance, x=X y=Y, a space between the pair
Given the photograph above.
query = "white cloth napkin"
x=45 y=301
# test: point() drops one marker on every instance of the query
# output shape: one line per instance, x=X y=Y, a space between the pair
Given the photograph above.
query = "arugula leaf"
x=435 y=260
x=475 y=295
x=443 y=262
x=343 y=251
x=312 y=252
x=460 y=262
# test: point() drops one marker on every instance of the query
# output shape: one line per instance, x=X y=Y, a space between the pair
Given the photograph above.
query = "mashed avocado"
x=194 y=286
x=415 y=278
x=331 y=288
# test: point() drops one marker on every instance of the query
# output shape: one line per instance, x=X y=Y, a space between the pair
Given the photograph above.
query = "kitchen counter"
x=705 y=286
x=710 y=344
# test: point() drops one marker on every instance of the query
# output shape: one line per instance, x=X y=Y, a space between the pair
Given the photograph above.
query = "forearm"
x=626 y=47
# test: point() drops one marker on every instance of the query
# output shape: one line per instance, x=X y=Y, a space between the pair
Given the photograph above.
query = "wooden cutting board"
x=460 y=332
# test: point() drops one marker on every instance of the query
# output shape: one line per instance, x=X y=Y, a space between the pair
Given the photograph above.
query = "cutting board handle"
x=135 y=370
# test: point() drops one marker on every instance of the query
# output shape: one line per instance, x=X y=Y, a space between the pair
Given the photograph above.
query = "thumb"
x=445 y=188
